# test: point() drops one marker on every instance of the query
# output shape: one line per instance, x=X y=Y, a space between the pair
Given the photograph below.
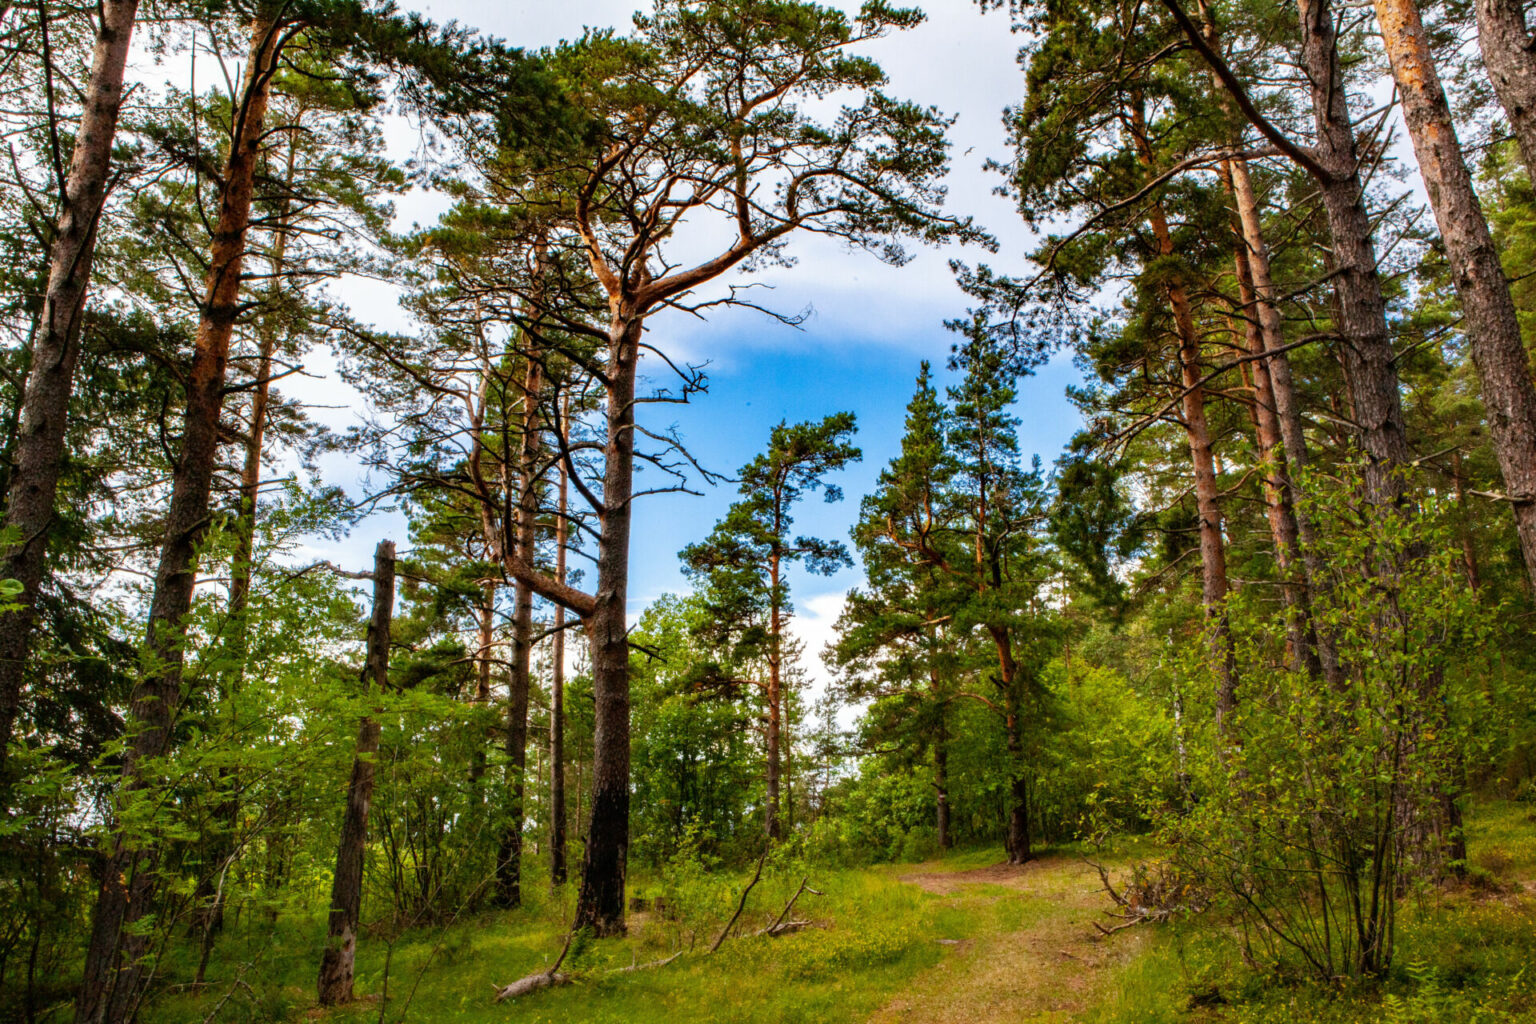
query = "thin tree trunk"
x=115 y=972
x=336 y=963
x=1464 y=528
x=557 y=692
x=1488 y=312
x=1507 y=54
x=941 y=776
x=1213 y=557
x=1284 y=525
x=484 y=656
x=509 y=865
x=600 y=904
x=1287 y=410
x=775 y=702
x=55 y=352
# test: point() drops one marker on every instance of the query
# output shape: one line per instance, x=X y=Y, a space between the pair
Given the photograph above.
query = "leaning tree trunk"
x=1511 y=62
x=510 y=860
x=1488 y=312
x=336 y=963
x=600 y=904
x=115 y=970
x=55 y=352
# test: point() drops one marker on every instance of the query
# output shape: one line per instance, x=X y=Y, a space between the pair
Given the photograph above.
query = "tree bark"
x=55 y=352
x=1017 y=840
x=115 y=972
x=1488 y=312
x=941 y=778
x=509 y=863
x=209 y=919
x=1505 y=40
x=775 y=698
x=336 y=963
x=557 y=694
x=600 y=904
x=1287 y=410
x=1366 y=353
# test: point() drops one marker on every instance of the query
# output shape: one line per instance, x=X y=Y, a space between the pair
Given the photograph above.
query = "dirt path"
x=1048 y=970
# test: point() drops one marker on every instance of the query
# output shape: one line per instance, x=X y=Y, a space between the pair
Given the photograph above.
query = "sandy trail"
x=1047 y=971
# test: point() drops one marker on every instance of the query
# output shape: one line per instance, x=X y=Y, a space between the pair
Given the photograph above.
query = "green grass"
x=1464 y=956
x=876 y=934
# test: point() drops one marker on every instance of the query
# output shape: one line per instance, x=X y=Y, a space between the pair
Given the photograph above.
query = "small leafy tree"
x=742 y=563
x=1309 y=824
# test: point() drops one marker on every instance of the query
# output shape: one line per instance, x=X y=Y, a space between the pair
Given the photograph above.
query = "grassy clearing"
x=874 y=934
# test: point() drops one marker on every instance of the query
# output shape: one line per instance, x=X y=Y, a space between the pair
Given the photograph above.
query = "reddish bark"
x=116 y=972
x=1488 y=312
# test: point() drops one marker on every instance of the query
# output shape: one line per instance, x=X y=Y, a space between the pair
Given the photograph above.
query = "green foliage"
x=1320 y=803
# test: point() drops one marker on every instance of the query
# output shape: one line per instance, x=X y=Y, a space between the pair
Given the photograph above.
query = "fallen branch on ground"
x=552 y=978
x=542 y=980
x=1153 y=894
x=742 y=905
x=781 y=926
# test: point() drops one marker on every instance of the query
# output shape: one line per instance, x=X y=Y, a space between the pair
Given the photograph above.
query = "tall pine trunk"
x=210 y=896
x=115 y=970
x=1505 y=40
x=1488 y=312
x=600 y=904
x=775 y=701
x=1366 y=352
x=1287 y=409
x=337 y=961
x=39 y=446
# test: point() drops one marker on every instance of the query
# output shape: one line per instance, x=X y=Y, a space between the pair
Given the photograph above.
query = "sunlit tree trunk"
x=1213 y=555
x=1488 y=312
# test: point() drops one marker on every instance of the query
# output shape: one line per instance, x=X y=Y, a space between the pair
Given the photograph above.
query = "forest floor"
x=1054 y=968
x=962 y=939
